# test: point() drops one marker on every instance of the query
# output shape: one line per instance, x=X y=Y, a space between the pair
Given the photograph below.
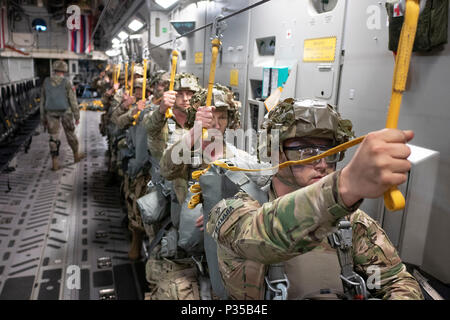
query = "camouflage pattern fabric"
x=172 y=281
x=53 y=126
x=250 y=237
x=186 y=81
x=73 y=103
x=157 y=132
x=66 y=118
x=136 y=188
x=222 y=98
x=306 y=118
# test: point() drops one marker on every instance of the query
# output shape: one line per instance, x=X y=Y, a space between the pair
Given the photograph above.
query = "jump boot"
x=136 y=244
x=55 y=164
x=78 y=156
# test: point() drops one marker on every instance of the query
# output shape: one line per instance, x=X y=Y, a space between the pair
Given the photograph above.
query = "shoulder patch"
x=221 y=212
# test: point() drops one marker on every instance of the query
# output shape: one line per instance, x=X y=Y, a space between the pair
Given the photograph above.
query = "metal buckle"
x=107 y=294
x=199 y=264
x=343 y=237
x=218 y=27
x=357 y=282
x=165 y=191
x=104 y=262
x=281 y=287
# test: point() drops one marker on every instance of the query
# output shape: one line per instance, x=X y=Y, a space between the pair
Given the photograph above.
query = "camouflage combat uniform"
x=65 y=117
x=114 y=132
x=293 y=229
x=135 y=183
x=180 y=173
x=171 y=278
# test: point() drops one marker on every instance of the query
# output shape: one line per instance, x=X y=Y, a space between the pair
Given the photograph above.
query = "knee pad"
x=54 y=144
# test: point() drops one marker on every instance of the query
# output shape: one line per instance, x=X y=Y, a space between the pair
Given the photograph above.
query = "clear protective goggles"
x=304 y=152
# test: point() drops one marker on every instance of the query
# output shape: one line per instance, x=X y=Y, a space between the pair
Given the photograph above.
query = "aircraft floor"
x=54 y=226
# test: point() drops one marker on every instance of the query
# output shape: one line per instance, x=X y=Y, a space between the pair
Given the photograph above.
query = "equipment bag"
x=153 y=207
x=432 y=27
x=190 y=238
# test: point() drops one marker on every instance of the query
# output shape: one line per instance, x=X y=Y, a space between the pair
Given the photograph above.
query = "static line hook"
x=217 y=27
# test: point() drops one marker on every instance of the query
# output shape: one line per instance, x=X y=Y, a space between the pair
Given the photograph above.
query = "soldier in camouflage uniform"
x=306 y=203
x=163 y=271
x=156 y=121
x=120 y=104
x=59 y=104
x=159 y=83
x=224 y=114
x=105 y=86
x=134 y=182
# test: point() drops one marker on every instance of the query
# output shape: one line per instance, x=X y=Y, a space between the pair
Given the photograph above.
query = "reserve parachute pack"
x=55 y=96
x=432 y=27
x=190 y=237
x=154 y=206
x=140 y=155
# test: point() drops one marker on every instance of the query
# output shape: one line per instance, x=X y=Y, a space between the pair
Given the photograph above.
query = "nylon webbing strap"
x=242 y=181
x=342 y=240
x=157 y=180
x=277 y=283
x=159 y=235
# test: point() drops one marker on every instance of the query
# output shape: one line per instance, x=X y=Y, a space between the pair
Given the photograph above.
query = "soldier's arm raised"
x=171 y=164
x=154 y=122
x=279 y=230
x=125 y=120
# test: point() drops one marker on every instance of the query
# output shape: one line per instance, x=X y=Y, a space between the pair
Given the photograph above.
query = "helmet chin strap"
x=286 y=181
x=183 y=110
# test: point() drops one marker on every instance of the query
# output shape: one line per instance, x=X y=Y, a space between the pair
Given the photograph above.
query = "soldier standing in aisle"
x=59 y=105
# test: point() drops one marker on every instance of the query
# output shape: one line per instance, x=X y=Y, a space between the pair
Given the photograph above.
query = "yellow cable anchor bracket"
x=393 y=198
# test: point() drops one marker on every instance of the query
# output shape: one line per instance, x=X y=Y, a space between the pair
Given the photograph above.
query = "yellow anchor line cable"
x=393 y=198
x=144 y=88
x=173 y=72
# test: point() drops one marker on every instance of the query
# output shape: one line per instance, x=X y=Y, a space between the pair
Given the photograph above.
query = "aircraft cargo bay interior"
x=224 y=150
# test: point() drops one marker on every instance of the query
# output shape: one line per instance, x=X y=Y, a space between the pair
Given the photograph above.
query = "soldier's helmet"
x=138 y=70
x=160 y=76
x=186 y=81
x=60 y=65
x=222 y=99
x=139 y=83
x=306 y=118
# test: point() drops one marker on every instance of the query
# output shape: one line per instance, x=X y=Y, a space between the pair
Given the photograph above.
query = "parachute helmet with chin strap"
x=306 y=118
